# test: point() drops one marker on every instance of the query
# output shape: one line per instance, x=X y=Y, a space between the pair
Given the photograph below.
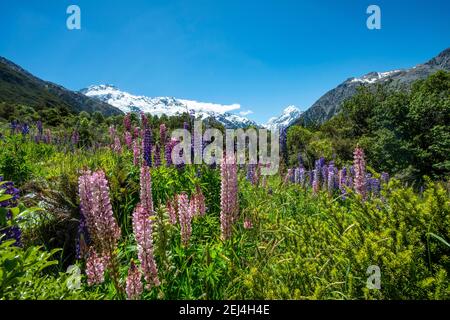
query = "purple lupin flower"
x=324 y=176
x=40 y=128
x=343 y=184
x=168 y=151
x=134 y=287
x=13 y=126
x=332 y=182
x=83 y=239
x=375 y=187
x=142 y=228
x=147 y=147
x=25 y=129
x=75 y=138
x=385 y=177
x=184 y=215
x=302 y=177
x=251 y=174
x=9 y=190
x=12 y=232
x=297 y=175
x=359 y=165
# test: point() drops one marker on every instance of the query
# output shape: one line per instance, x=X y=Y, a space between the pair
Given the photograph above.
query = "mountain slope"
x=329 y=104
x=288 y=117
x=18 y=86
x=169 y=106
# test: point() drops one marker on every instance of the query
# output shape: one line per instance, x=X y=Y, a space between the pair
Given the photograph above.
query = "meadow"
x=128 y=224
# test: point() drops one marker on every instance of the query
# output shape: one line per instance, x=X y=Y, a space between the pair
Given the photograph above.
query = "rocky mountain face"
x=169 y=106
x=288 y=117
x=330 y=103
x=18 y=86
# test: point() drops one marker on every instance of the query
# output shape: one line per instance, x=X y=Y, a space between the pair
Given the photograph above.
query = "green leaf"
x=439 y=238
x=14 y=211
x=5 y=197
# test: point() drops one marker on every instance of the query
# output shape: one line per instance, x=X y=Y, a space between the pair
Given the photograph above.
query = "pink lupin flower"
x=48 y=136
x=200 y=202
x=144 y=121
x=359 y=165
x=142 y=228
x=146 y=190
x=193 y=207
x=172 y=210
x=95 y=268
x=248 y=224
x=128 y=139
x=112 y=132
x=197 y=203
x=96 y=206
x=228 y=195
x=264 y=182
x=134 y=287
x=127 y=122
x=137 y=133
x=162 y=134
x=287 y=176
x=184 y=215
x=136 y=152
x=117 y=147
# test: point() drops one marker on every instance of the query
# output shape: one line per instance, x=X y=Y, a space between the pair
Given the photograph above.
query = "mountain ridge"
x=19 y=86
x=330 y=103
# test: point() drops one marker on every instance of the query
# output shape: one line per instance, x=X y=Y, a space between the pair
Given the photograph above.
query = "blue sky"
x=263 y=55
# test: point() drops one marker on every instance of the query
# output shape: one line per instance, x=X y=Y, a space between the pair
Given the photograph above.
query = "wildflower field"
x=113 y=218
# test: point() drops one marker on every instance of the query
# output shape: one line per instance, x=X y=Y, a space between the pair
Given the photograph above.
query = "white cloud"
x=245 y=113
x=207 y=106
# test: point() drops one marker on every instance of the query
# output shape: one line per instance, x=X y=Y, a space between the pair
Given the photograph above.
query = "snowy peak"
x=288 y=116
x=169 y=106
x=374 y=77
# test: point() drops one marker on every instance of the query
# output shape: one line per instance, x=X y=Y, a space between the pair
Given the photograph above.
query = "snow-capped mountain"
x=169 y=106
x=289 y=115
x=374 y=77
